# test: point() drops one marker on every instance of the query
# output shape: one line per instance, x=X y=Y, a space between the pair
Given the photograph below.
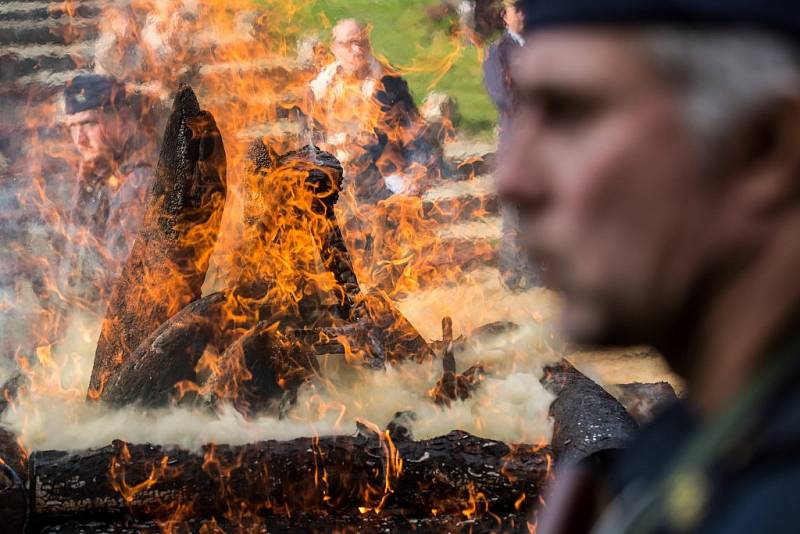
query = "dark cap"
x=779 y=15
x=93 y=91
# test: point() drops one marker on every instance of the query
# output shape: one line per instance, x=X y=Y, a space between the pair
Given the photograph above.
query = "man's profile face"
x=514 y=19
x=87 y=131
x=351 y=47
x=606 y=174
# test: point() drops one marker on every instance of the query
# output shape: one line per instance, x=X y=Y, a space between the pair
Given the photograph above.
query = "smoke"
x=510 y=404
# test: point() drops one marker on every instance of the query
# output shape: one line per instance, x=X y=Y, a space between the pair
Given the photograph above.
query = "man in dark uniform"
x=655 y=160
x=114 y=175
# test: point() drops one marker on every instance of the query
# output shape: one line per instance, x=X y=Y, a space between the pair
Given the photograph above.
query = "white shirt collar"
x=517 y=37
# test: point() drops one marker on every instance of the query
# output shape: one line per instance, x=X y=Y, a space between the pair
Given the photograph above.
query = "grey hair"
x=724 y=74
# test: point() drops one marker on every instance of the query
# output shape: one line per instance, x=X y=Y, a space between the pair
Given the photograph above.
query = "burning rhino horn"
x=260 y=156
x=169 y=355
x=261 y=371
x=191 y=172
x=169 y=258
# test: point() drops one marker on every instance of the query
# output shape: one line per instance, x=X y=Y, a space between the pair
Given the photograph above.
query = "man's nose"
x=81 y=136
x=520 y=175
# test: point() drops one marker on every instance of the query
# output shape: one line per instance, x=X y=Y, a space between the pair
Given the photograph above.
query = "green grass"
x=403 y=34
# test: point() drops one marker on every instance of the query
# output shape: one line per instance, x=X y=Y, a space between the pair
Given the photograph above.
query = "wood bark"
x=326 y=476
x=168 y=261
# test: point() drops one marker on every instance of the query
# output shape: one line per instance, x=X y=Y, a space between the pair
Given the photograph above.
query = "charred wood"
x=327 y=476
x=304 y=523
x=169 y=259
x=380 y=335
x=12 y=455
x=457 y=386
x=399 y=427
x=11 y=389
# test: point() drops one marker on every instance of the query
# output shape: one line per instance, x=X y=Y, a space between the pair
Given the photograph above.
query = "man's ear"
x=767 y=154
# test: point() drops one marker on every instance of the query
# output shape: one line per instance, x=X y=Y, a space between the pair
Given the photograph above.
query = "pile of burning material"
x=253 y=346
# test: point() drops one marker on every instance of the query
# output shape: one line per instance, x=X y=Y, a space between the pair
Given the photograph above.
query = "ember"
x=299 y=326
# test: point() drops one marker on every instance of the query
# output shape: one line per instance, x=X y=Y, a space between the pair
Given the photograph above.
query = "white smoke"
x=510 y=405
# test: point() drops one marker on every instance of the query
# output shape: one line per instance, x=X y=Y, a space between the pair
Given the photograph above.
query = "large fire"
x=251 y=66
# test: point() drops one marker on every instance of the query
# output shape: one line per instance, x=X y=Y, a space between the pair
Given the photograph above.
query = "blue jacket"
x=497 y=79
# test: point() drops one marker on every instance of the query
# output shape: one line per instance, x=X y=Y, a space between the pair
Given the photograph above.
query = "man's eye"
x=567 y=110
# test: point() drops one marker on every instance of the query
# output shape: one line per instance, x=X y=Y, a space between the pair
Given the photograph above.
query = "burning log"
x=586 y=418
x=381 y=335
x=456 y=386
x=12 y=455
x=365 y=323
x=303 y=523
x=328 y=476
x=168 y=262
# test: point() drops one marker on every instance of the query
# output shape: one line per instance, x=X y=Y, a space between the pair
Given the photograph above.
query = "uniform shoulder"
x=766 y=500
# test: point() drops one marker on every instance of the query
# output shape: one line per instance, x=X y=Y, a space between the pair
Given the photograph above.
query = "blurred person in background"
x=152 y=46
x=516 y=272
x=117 y=50
x=655 y=161
x=171 y=37
x=496 y=74
x=369 y=118
x=114 y=174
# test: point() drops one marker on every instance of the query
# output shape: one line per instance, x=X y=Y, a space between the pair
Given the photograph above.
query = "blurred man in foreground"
x=113 y=177
x=370 y=118
x=655 y=160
